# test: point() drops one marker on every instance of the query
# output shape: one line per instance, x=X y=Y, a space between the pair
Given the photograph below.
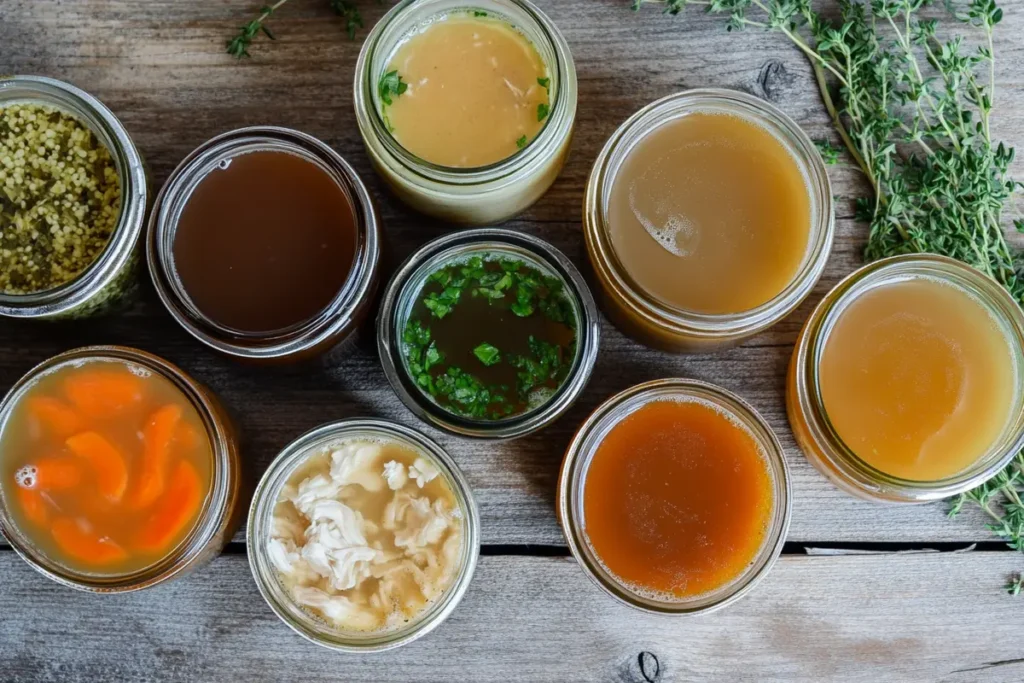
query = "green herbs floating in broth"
x=490 y=338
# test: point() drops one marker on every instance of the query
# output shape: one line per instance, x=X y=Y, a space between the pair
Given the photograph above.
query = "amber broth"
x=916 y=378
x=710 y=213
x=677 y=499
x=106 y=466
x=473 y=91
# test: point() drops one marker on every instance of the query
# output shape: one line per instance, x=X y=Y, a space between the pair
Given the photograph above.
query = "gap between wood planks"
x=824 y=548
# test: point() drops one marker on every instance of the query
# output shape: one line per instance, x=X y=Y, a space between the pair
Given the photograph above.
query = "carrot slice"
x=54 y=415
x=57 y=473
x=106 y=461
x=174 y=511
x=85 y=545
x=33 y=505
x=103 y=394
x=157 y=435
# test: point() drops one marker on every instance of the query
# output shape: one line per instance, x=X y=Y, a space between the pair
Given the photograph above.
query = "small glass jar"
x=809 y=420
x=408 y=282
x=113 y=276
x=222 y=510
x=654 y=322
x=261 y=515
x=468 y=196
x=573 y=475
x=343 y=314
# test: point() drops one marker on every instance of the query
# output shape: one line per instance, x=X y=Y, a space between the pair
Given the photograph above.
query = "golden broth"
x=477 y=91
x=916 y=379
x=710 y=213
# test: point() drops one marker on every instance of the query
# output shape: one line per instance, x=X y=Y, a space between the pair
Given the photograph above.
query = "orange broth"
x=105 y=466
x=677 y=499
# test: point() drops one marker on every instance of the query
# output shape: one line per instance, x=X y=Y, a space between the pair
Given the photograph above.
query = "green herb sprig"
x=914 y=113
x=238 y=47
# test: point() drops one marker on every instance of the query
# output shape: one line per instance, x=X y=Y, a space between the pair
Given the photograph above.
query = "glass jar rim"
x=215 y=507
x=804 y=153
x=177 y=191
x=975 y=284
x=409 y=279
x=134 y=196
x=261 y=513
x=580 y=452
x=561 y=114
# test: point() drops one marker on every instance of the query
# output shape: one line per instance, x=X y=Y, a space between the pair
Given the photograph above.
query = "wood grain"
x=162 y=69
x=856 y=618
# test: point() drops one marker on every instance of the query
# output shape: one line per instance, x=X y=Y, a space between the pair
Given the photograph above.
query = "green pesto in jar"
x=60 y=198
x=490 y=337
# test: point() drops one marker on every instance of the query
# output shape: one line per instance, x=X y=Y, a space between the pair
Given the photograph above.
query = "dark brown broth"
x=265 y=243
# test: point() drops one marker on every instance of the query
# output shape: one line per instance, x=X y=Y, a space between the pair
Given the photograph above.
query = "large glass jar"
x=219 y=517
x=345 y=312
x=655 y=322
x=113 y=275
x=576 y=464
x=811 y=425
x=261 y=520
x=468 y=196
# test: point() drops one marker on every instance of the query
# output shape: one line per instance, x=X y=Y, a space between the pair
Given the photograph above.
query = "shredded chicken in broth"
x=366 y=535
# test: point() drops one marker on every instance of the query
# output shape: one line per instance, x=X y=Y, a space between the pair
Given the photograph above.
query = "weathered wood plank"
x=853 y=618
x=161 y=67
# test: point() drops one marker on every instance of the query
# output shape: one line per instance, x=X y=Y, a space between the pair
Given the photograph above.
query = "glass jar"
x=343 y=314
x=261 y=516
x=222 y=510
x=113 y=276
x=468 y=196
x=581 y=450
x=809 y=420
x=408 y=282
x=654 y=322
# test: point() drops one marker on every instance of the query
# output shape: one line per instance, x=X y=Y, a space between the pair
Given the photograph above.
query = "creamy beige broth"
x=710 y=213
x=476 y=91
x=359 y=541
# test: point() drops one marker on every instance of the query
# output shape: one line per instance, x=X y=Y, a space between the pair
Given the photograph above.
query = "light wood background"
x=530 y=614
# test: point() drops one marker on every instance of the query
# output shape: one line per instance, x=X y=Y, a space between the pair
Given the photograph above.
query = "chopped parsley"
x=521 y=142
x=542 y=111
x=467 y=305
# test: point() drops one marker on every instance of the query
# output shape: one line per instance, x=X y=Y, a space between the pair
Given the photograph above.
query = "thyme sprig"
x=238 y=47
x=914 y=112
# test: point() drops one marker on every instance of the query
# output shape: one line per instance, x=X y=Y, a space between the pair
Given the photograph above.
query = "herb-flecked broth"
x=490 y=337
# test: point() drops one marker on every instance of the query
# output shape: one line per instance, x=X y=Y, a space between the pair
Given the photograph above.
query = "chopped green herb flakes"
x=490 y=338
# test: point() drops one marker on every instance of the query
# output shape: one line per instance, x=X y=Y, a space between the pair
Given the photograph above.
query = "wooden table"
x=871 y=610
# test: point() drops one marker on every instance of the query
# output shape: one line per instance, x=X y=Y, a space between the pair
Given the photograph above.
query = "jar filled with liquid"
x=905 y=384
x=117 y=470
x=265 y=245
x=674 y=497
x=466 y=110
x=708 y=218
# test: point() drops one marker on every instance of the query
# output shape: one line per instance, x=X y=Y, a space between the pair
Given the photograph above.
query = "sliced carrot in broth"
x=55 y=416
x=158 y=435
x=174 y=511
x=107 y=463
x=103 y=394
x=85 y=545
x=33 y=505
x=57 y=473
